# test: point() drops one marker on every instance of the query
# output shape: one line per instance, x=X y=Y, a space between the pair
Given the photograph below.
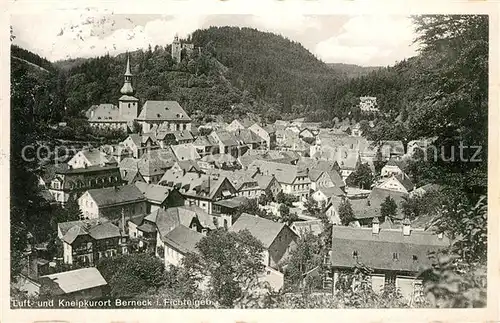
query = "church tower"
x=128 y=104
x=176 y=49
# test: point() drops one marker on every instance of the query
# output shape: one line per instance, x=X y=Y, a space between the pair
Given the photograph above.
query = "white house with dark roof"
x=323 y=195
x=399 y=183
x=292 y=179
x=392 y=167
x=87 y=241
x=266 y=132
x=159 y=196
x=178 y=242
x=277 y=238
x=156 y=113
x=90 y=157
x=199 y=189
x=111 y=202
x=394 y=256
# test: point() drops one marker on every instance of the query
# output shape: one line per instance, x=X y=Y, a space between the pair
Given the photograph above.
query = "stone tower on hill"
x=176 y=49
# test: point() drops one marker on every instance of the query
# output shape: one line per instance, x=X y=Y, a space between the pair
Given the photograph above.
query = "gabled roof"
x=394 y=162
x=189 y=165
x=74 y=280
x=129 y=175
x=302 y=227
x=264 y=230
x=108 y=196
x=284 y=173
x=405 y=181
x=153 y=192
x=105 y=112
x=183 y=239
x=247 y=136
x=237 y=177
x=185 y=151
x=206 y=141
x=263 y=181
x=97 y=157
x=376 y=250
x=193 y=184
x=163 y=110
x=331 y=191
x=94 y=228
x=226 y=138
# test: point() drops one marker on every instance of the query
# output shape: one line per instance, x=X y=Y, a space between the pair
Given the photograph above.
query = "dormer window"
x=355 y=254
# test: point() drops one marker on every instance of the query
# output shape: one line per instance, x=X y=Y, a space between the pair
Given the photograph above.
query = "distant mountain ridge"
x=353 y=70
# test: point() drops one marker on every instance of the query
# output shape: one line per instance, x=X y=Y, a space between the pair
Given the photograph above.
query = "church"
x=168 y=114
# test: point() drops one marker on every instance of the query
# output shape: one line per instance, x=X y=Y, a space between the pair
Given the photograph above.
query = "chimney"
x=406 y=227
x=375 y=225
x=122 y=227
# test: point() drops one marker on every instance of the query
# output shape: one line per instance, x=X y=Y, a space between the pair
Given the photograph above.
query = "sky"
x=365 y=40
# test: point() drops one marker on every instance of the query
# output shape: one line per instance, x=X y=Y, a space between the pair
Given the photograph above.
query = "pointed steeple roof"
x=127 y=71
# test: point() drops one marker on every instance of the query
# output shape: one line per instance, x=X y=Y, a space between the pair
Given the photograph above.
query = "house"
x=295 y=144
x=277 y=238
x=292 y=179
x=90 y=157
x=140 y=144
x=356 y=130
x=227 y=208
x=239 y=125
x=398 y=183
x=200 y=189
x=266 y=132
x=248 y=138
x=131 y=176
x=332 y=209
x=118 y=152
x=365 y=209
x=152 y=165
x=167 y=137
x=244 y=184
x=83 y=283
x=185 y=152
x=368 y=104
x=306 y=133
x=303 y=227
x=111 y=202
x=392 y=167
x=156 y=113
x=178 y=242
x=324 y=194
x=159 y=196
x=267 y=183
x=206 y=145
x=66 y=182
x=229 y=144
x=322 y=172
x=395 y=256
x=86 y=241
x=348 y=161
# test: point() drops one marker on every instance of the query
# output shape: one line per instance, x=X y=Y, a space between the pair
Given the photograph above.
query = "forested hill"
x=240 y=67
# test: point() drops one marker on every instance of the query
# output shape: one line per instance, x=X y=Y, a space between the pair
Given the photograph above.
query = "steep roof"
x=205 y=141
x=169 y=219
x=104 y=230
x=185 y=151
x=263 y=181
x=237 y=177
x=370 y=207
x=163 y=110
x=193 y=184
x=247 y=136
x=75 y=280
x=284 y=173
x=405 y=181
x=226 y=138
x=183 y=239
x=264 y=230
x=153 y=192
x=313 y=226
x=129 y=175
x=376 y=250
x=105 y=112
x=109 y=196
x=331 y=191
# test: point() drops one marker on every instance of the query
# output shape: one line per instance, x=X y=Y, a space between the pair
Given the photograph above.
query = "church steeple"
x=127 y=85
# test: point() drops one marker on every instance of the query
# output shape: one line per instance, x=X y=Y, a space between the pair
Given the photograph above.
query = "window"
x=395 y=256
x=355 y=254
x=415 y=258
